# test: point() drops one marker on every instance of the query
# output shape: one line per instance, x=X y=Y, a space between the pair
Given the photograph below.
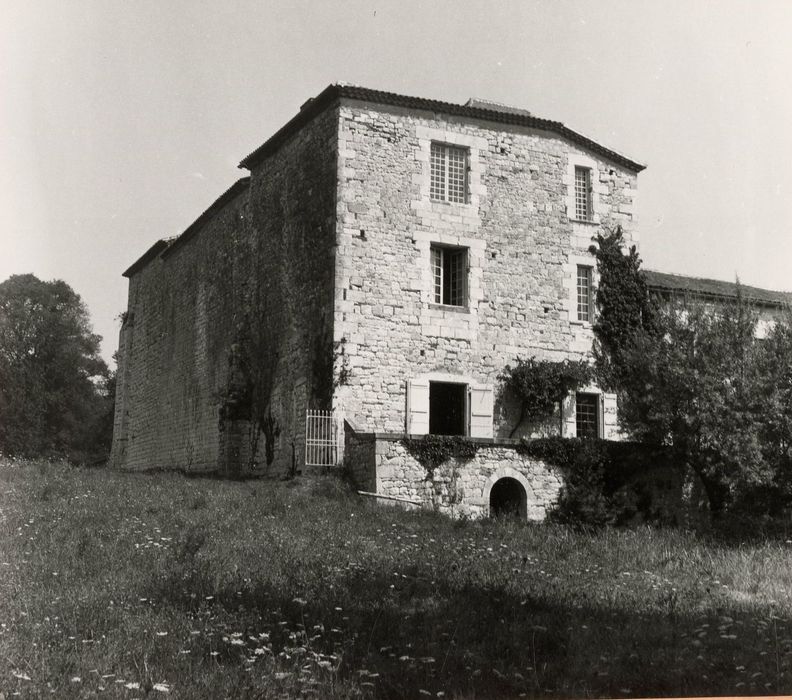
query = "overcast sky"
x=121 y=121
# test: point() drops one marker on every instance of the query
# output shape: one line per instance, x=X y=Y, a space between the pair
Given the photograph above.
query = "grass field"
x=119 y=585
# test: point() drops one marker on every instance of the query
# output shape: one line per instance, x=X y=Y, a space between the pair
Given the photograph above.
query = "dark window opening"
x=447 y=408
x=587 y=415
x=508 y=499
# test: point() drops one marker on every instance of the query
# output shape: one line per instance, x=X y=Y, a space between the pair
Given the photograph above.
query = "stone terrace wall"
x=173 y=349
x=457 y=487
x=523 y=253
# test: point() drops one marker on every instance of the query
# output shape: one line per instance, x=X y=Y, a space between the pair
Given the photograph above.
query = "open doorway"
x=508 y=499
x=447 y=408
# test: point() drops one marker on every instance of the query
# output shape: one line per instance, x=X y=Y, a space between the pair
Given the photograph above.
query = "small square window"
x=584 y=293
x=583 y=193
x=448 y=181
x=587 y=415
x=449 y=276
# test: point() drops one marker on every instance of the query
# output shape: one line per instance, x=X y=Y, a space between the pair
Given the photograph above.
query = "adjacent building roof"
x=474 y=109
x=667 y=283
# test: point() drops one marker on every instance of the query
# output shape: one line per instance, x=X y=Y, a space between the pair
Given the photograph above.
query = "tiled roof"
x=147 y=257
x=239 y=186
x=332 y=94
x=713 y=289
x=166 y=246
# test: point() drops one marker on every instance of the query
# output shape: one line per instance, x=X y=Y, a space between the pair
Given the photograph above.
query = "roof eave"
x=333 y=93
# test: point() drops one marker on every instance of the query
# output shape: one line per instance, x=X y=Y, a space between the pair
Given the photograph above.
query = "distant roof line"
x=332 y=94
x=164 y=247
x=714 y=289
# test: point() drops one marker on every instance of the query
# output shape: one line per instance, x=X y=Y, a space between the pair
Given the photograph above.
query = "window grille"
x=448 y=182
x=449 y=276
x=587 y=415
x=583 y=293
x=322 y=439
x=583 y=194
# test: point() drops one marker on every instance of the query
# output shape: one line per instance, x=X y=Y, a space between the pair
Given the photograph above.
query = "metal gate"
x=322 y=439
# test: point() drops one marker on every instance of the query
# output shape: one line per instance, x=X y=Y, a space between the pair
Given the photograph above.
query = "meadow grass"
x=132 y=585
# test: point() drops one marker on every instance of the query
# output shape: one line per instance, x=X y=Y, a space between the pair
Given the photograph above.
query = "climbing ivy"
x=541 y=385
x=432 y=450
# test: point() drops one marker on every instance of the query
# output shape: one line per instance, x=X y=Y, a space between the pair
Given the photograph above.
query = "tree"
x=695 y=378
x=54 y=385
x=625 y=309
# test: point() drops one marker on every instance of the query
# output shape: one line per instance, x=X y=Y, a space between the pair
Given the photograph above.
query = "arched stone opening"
x=508 y=498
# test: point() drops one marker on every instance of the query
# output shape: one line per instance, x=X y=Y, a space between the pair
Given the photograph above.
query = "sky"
x=121 y=121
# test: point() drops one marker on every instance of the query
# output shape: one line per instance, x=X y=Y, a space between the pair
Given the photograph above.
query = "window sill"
x=589 y=222
x=449 y=307
x=449 y=204
x=582 y=324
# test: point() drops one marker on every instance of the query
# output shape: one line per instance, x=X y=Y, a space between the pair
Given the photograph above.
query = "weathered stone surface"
x=523 y=252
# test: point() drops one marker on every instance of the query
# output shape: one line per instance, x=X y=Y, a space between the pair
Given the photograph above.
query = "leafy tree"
x=55 y=389
x=625 y=308
x=695 y=378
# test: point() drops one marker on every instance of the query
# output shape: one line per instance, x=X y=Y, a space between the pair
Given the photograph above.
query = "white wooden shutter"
x=481 y=403
x=568 y=418
x=418 y=406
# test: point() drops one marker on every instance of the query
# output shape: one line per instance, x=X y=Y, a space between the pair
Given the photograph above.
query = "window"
x=447 y=408
x=448 y=173
x=446 y=405
x=587 y=415
x=449 y=276
x=582 y=193
x=584 y=293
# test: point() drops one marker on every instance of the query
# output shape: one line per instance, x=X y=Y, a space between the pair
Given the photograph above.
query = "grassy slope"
x=219 y=589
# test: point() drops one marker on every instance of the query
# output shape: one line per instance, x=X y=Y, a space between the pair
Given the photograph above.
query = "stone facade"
x=311 y=284
x=524 y=252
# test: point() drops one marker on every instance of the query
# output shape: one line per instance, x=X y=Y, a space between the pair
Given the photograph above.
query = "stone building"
x=386 y=258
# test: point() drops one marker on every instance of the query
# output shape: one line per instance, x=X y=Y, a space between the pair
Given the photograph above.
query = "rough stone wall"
x=360 y=459
x=229 y=338
x=523 y=254
x=173 y=349
x=292 y=194
x=457 y=487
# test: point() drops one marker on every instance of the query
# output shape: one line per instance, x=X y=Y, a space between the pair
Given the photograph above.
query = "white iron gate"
x=322 y=439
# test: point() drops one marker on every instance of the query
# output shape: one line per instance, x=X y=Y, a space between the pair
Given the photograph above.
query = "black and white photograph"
x=395 y=349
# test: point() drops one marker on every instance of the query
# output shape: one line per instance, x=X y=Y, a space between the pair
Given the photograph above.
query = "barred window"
x=583 y=293
x=587 y=415
x=449 y=276
x=583 y=193
x=448 y=173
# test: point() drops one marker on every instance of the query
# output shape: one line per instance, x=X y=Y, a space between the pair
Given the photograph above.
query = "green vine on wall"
x=541 y=385
x=432 y=450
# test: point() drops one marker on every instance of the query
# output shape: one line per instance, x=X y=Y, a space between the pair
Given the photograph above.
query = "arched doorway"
x=508 y=499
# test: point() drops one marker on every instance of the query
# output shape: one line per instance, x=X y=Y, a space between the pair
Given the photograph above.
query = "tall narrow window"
x=587 y=415
x=448 y=173
x=582 y=193
x=449 y=276
x=583 y=293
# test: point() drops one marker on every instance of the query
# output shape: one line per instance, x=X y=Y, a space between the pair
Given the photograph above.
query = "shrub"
x=605 y=482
